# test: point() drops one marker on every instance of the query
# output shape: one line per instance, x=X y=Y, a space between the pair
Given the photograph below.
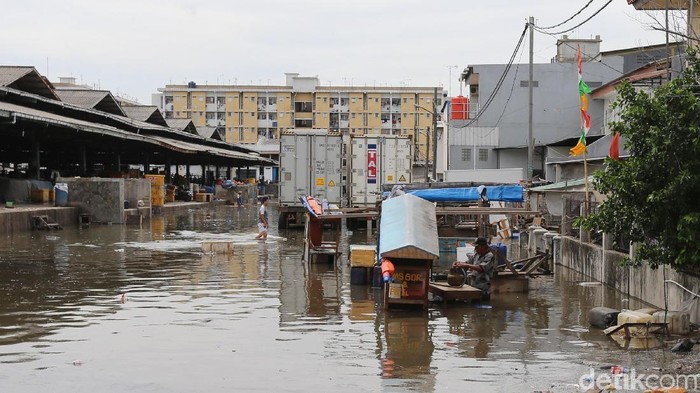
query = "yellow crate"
x=203 y=197
x=40 y=196
x=157 y=201
x=362 y=255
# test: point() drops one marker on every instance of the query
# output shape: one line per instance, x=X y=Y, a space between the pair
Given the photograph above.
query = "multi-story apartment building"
x=252 y=113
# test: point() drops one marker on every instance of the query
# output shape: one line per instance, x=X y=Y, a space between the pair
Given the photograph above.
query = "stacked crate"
x=362 y=261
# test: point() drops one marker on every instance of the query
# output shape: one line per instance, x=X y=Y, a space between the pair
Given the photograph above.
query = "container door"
x=295 y=171
x=364 y=163
x=325 y=181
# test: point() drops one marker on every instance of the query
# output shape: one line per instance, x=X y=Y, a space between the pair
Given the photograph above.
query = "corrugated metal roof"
x=10 y=74
x=408 y=229
x=28 y=79
x=208 y=132
x=146 y=113
x=179 y=124
x=94 y=99
x=572 y=184
x=138 y=125
x=84 y=98
x=180 y=146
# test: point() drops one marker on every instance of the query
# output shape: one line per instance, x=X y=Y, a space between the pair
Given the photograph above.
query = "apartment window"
x=262 y=116
x=335 y=101
x=229 y=114
x=483 y=154
x=272 y=116
x=325 y=99
x=252 y=99
x=272 y=100
x=353 y=115
x=466 y=155
x=405 y=100
x=211 y=115
x=201 y=113
x=302 y=123
x=343 y=102
x=210 y=100
x=252 y=114
x=303 y=107
x=168 y=99
x=262 y=101
x=240 y=134
x=354 y=100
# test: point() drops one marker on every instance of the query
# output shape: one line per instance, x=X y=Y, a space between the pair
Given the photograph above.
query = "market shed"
x=408 y=238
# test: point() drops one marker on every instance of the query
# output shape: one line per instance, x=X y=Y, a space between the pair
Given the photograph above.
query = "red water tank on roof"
x=460 y=108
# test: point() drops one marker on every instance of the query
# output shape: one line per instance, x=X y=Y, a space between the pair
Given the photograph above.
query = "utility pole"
x=427 y=154
x=530 y=140
x=435 y=97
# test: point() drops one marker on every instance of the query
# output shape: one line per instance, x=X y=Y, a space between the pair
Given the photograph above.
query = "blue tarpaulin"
x=512 y=193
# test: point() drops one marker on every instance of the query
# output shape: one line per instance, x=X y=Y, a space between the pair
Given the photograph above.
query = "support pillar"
x=83 y=159
x=37 y=157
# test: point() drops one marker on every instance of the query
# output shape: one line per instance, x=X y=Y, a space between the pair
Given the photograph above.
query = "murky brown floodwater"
x=261 y=320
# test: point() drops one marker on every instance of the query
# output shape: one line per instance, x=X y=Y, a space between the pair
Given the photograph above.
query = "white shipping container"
x=310 y=164
x=374 y=161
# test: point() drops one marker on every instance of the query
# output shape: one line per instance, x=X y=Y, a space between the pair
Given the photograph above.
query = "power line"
x=572 y=17
x=578 y=25
x=500 y=80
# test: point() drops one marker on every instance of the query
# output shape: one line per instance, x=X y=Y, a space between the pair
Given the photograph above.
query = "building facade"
x=255 y=114
x=497 y=139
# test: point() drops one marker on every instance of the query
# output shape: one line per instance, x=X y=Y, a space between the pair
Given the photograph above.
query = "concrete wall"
x=643 y=283
x=102 y=199
x=15 y=220
x=137 y=189
x=507 y=175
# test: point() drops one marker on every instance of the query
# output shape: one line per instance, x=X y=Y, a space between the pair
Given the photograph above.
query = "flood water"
x=128 y=309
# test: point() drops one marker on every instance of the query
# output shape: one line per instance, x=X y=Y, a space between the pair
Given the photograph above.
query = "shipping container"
x=376 y=160
x=311 y=163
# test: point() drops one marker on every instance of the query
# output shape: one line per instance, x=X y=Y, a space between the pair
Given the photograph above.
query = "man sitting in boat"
x=482 y=266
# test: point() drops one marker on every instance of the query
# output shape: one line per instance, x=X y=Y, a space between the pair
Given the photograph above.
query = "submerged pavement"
x=122 y=308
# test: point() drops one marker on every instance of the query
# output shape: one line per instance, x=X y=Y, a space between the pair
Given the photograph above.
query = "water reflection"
x=260 y=319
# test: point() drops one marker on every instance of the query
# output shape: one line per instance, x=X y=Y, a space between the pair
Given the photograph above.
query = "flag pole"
x=585 y=182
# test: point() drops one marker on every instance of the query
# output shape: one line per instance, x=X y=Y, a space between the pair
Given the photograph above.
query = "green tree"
x=653 y=197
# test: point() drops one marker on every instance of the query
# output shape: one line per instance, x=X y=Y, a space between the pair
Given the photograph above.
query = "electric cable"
x=578 y=25
x=572 y=17
x=500 y=80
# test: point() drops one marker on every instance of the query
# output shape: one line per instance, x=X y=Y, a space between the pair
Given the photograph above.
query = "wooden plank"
x=536 y=263
x=448 y=293
x=626 y=326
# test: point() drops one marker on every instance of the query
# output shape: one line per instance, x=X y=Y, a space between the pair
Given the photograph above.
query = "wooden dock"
x=448 y=293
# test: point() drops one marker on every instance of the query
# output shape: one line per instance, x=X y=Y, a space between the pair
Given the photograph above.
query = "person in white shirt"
x=263 y=223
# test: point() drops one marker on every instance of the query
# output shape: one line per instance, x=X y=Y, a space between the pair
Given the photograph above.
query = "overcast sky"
x=133 y=47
